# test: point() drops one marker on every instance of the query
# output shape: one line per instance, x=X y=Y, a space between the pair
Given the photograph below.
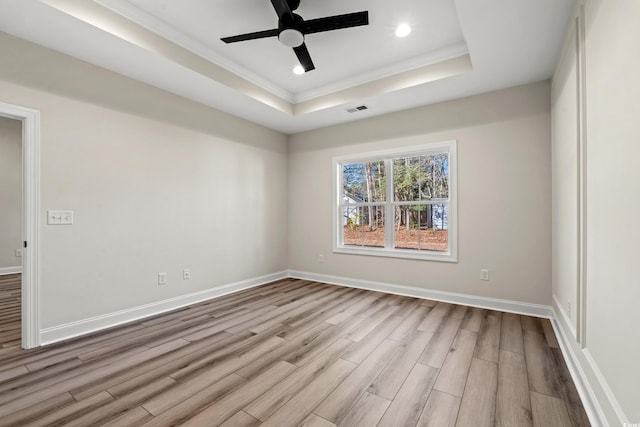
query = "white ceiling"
x=456 y=48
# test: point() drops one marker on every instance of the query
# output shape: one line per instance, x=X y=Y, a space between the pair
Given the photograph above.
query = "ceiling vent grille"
x=356 y=109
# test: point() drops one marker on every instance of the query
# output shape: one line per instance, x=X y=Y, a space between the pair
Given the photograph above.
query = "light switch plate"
x=58 y=217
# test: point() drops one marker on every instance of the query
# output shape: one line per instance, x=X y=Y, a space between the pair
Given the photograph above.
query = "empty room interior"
x=303 y=213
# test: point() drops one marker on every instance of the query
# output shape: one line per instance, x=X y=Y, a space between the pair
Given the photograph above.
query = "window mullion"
x=389 y=208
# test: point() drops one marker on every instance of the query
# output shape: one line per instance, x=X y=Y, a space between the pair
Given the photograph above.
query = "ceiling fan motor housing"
x=291 y=30
x=293 y=4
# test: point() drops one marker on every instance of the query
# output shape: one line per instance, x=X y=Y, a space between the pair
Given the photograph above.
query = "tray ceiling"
x=456 y=48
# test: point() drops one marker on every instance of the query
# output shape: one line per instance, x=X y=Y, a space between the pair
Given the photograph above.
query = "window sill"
x=398 y=253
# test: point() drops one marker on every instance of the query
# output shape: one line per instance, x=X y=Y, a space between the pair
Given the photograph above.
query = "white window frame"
x=389 y=251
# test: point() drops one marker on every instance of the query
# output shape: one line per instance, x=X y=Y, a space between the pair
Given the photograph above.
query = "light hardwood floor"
x=10 y=313
x=298 y=353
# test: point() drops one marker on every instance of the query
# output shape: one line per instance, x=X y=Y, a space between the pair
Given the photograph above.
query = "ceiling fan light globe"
x=291 y=37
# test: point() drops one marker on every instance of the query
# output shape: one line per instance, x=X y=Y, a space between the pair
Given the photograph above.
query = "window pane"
x=363 y=182
x=406 y=230
x=421 y=227
x=435 y=176
x=407 y=175
x=434 y=234
x=421 y=177
x=363 y=226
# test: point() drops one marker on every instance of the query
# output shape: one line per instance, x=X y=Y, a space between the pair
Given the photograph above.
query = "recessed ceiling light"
x=298 y=70
x=403 y=30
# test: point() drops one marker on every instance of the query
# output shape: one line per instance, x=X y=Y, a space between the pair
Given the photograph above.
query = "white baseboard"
x=536 y=310
x=566 y=335
x=609 y=396
x=94 y=324
x=594 y=391
x=86 y=326
x=10 y=270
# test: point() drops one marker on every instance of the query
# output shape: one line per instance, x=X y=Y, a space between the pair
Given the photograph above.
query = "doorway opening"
x=10 y=234
x=10 y=312
x=30 y=275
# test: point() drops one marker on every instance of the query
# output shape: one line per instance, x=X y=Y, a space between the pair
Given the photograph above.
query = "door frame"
x=30 y=119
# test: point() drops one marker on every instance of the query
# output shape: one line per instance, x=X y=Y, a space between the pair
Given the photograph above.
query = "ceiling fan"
x=292 y=28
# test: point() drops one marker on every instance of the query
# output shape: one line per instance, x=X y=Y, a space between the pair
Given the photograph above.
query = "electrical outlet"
x=186 y=274
x=162 y=278
x=320 y=258
x=18 y=253
x=484 y=275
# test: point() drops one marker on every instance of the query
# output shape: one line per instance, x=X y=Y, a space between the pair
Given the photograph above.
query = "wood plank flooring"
x=10 y=313
x=299 y=353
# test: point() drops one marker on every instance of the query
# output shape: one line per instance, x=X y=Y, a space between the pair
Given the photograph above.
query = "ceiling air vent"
x=356 y=109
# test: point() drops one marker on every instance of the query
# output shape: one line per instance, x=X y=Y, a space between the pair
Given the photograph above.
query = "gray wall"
x=610 y=358
x=504 y=194
x=156 y=183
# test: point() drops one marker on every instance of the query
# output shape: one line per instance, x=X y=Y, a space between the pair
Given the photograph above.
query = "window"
x=397 y=203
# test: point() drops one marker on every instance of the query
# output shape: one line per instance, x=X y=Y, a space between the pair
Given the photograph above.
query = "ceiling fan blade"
x=303 y=56
x=281 y=7
x=336 y=22
x=251 y=36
